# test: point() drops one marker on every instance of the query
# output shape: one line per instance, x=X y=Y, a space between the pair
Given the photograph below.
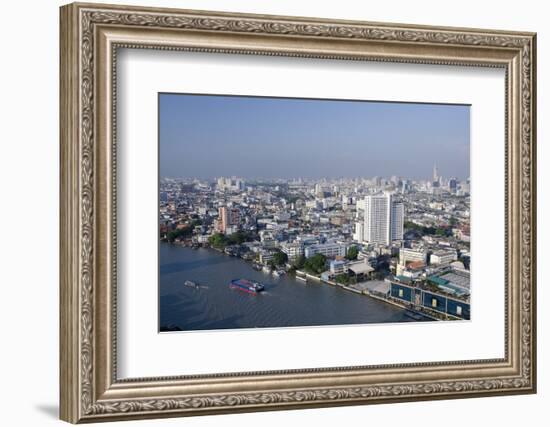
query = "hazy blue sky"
x=208 y=136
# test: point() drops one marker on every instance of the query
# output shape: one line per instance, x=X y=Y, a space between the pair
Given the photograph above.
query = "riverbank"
x=285 y=302
x=304 y=276
x=371 y=293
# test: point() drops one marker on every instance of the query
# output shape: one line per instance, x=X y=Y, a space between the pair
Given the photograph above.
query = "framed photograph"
x=267 y=212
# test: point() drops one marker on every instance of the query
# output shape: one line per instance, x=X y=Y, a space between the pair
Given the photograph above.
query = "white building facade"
x=443 y=257
x=293 y=250
x=230 y=184
x=383 y=219
x=411 y=255
x=330 y=250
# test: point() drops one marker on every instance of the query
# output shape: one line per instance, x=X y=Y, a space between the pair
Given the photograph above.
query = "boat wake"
x=194 y=285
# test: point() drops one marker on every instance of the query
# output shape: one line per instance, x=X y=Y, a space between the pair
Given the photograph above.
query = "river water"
x=285 y=301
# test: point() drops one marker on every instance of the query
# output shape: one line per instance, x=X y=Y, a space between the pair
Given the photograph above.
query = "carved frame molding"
x=90 y=37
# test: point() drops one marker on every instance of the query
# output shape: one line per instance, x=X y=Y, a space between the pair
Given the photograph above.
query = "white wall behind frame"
x=145 y=353
x=29 y=135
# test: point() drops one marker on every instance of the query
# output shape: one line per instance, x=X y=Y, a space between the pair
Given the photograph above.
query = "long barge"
x=247 y=286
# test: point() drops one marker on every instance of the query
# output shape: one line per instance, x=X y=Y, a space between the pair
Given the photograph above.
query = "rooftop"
x=360 y=268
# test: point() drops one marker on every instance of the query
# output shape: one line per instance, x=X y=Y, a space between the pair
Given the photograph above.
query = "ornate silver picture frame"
x=91 y=35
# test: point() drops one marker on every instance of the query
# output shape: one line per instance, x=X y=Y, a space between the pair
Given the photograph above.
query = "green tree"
x=299 y=262
x=315 y=264
x=171 y=236
x=291 y=199
x=342 y=278
x=279 y=258
x=423 y=230
x=237 y=238
x=352 y=253
x=443 y=231
x=217 y=240
x=184 y=232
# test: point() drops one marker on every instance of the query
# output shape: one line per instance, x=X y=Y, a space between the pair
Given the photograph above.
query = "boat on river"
x=246 y=285
x=194 y=285
x=191 y=284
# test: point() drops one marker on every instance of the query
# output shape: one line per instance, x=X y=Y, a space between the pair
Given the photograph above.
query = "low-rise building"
x=203 y=238
x=293 y=250
x=266 y=256
x=407 y=255
x=412 y=270
x=330 y=250
x=443 y=257
x=338 y=266
x=429 y=300
x=361 y=270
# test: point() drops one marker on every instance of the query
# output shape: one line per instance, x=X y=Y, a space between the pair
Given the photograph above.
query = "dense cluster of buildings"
x=412 y=234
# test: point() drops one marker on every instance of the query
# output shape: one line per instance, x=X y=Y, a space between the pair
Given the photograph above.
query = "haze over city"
x=206 y=136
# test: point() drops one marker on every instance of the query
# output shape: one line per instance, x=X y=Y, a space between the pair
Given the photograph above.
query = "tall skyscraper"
x=453 y=185
x=228 y=220
x=397 y=219
x=383 y=220
x=435 y=177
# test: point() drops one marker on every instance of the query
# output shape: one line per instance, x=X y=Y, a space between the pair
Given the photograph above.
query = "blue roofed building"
x=444 y=294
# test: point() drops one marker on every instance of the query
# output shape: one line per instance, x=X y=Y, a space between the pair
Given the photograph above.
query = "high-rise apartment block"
x=230 y=184
x=228 y=220
x=383 y=219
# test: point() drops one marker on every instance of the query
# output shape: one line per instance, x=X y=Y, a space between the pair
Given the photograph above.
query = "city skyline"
x=261 y=196
x=201 y=136
x=260 y=179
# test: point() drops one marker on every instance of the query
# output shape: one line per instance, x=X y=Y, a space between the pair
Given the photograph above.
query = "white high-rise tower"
x=383 y=220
